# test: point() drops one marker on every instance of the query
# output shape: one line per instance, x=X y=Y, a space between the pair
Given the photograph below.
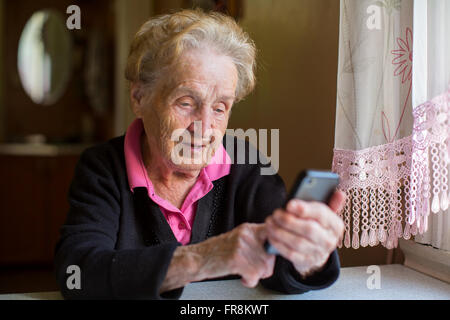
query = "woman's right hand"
x=237 y=252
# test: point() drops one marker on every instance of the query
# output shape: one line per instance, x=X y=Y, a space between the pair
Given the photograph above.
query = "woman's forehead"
x=195 y=89
x=201 y=71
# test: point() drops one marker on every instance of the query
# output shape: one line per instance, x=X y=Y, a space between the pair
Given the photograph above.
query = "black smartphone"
x=311 y=185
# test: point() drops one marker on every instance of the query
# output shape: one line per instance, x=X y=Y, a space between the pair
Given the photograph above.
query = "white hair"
x=163 y=39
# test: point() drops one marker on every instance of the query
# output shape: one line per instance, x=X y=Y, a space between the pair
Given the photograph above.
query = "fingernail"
x=292 y=205
x=296 y=204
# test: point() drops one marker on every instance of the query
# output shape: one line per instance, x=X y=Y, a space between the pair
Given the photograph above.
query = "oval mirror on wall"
x=45 y=57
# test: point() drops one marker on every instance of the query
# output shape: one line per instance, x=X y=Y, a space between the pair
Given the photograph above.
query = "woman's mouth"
x=195 y=147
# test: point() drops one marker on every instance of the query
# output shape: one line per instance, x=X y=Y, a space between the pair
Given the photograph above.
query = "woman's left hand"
x=306 y=233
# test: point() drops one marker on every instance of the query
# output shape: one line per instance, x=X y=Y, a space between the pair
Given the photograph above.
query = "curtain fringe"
x=391 y=189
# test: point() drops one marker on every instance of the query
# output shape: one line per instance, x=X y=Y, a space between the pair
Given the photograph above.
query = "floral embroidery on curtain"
x=393 y=159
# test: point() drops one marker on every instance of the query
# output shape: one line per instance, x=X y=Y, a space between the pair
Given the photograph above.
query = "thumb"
x=337 y=201
x=260 y=232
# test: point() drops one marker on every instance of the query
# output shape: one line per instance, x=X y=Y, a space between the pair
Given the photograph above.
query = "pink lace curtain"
x=392 y=145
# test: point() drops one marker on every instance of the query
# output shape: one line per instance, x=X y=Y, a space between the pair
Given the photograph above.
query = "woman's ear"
x=136 y=98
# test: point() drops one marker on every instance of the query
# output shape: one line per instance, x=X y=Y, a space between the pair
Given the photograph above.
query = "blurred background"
x=62 y=89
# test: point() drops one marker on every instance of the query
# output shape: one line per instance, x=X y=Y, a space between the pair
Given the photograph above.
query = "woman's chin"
x=189 y=163
x=189 y=166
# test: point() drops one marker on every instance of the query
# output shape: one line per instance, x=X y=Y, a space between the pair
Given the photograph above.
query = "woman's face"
x=188 y=114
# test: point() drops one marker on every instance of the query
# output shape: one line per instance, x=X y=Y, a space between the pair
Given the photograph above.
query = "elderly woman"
x=145 y=221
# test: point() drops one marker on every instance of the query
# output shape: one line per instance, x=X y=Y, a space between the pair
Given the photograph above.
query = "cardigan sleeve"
x=264 y=194
x=88 y=239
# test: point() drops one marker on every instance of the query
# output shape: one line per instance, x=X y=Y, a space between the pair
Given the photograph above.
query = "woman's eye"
x=185 y=103
x=220 y=108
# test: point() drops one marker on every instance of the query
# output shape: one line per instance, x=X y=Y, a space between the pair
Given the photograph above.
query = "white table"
x=397 y=283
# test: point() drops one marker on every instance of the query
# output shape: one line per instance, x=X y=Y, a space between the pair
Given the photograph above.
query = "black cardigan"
x=123 y=244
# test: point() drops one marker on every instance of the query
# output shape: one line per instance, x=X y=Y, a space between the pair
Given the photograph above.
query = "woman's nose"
x=202 y=124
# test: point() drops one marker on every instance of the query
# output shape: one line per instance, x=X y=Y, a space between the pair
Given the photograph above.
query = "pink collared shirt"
x=180 y=220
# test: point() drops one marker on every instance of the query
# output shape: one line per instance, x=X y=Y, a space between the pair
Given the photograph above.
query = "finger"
x=298 y=258
x=306 y=228
x=270 y=267
x=257 y=240
x=267 y=260
x=295 y=206
x=337 y=201
x=252 y=272
x=249 y=282
x=316 y=211
x=260 y=232
x=256 y=261
x=289 y=227
x=311 y=235
x=303 y=261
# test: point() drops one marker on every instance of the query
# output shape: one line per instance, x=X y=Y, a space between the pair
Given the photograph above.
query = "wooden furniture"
x=35 y=178
x=33 y=201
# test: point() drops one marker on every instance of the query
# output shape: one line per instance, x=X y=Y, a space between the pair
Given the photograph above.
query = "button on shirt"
x=180 y=220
